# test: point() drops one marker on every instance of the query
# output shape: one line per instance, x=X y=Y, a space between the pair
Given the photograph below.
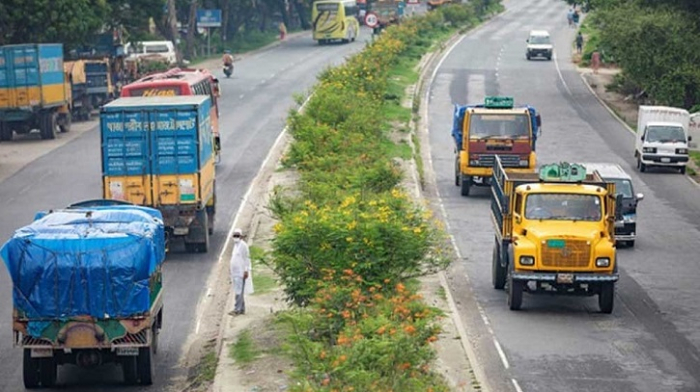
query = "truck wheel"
x=156 y=332
x=606 y=297
x=145 y=365
x=30 y=370
x=640 y=166
x=129 y=370
x=515 y=292
x=47 y=125
x=498 y=272
x=5 y=132
x=682 y=170
x=204 y=246
x=66 y=121
x=630 y=244
x=48 y=372
x=457 y=173
x=465 y=184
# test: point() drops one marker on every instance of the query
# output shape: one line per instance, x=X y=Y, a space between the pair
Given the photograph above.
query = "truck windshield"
x=563 y=206
x=664 y=134
x=511 y=126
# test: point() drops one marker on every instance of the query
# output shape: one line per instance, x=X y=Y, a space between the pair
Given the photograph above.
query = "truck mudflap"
x=565 y=278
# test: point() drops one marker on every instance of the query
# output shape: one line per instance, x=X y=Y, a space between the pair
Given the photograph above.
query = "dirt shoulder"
x=625 y=108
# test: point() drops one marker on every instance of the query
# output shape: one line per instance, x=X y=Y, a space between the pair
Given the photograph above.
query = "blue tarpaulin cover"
x=93 y=261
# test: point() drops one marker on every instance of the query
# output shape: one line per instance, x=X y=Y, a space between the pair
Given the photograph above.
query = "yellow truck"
x=554 y=233
x=159 y=152
x=495 y=128
x=34 y=91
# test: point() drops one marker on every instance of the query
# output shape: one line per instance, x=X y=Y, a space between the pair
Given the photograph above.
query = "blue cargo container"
x=158 y=151
x=34 y=92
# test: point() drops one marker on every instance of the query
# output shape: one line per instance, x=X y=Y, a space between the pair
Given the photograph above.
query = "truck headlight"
x=629 y=218
x=650 y=150
x=527 y=260
x=523 y=163
x=473 y=163
x=602 y=262
x=683 y=151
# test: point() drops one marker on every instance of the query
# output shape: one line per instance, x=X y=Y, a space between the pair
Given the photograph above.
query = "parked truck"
x=34 y=92
x=495 y=128
x=554 y=233
x=158 y=152
x=87 y=290
x=662 y=138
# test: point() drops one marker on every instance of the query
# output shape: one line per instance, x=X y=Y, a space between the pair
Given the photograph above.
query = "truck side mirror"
x=640 y=196
x=618 y=208
x=690 y=138
x=538 y=120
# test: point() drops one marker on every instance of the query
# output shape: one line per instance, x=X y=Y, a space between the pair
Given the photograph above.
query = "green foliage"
x=656 y=46
x=243 y=351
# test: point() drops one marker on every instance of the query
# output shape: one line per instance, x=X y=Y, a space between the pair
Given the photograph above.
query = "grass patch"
x=263 y=283
x=419 y=161
x=695 y=156
x=205 y=371
x=244 y=351
x=442 y=293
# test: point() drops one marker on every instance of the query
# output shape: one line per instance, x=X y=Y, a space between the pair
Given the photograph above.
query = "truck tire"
x=48 y=372
x=498 y=272
x=641 y=166
x=129 y=370
x=6 y=132
x=47 y=125
x=630 y=244
x=515 y=292
x=30 y=370
x=606 y=297
x=197 y=241
x=682 y=170
x=457 y=173
x=145 y=366
x=66 y=121
x=465 y=183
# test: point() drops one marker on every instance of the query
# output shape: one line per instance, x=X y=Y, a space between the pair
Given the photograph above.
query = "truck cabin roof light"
x=498 y=102
x=563 y=172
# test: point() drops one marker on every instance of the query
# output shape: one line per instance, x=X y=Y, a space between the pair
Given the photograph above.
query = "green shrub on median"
x=347 y=243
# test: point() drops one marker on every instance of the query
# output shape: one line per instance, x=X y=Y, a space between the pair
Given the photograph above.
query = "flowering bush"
x=345 y=246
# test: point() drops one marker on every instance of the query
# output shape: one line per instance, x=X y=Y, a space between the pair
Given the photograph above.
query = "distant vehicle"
x=662 y=138
x=335 y=20
x=625 y=231
x=34 y=91
x=179 y=81
x=165 y=49
x=539 y=45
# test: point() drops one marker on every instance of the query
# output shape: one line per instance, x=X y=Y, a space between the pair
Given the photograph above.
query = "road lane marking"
x=241 y=96
x=501 y=353
x=516 y=385
x=476 y=88
x=561 y=77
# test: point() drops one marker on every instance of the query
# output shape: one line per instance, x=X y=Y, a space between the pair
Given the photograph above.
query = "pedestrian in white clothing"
x=241 y=279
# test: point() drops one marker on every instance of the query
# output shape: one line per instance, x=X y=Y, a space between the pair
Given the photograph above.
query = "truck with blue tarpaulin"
x=87 y=289
x=34 y=90
x=158 y=152
x=494 y=128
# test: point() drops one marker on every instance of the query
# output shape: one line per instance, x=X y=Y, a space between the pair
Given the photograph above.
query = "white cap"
x=237 y=231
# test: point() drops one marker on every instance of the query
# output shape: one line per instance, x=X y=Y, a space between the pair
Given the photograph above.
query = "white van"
x=165 y=49
x=662 y=138
x=539 y=45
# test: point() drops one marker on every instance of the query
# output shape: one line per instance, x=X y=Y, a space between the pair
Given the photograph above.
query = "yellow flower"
x=417 y=230
x=352 y=225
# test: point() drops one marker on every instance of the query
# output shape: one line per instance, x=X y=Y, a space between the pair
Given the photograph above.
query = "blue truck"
x=34 y=91
x=87 y=289
x=159 y=152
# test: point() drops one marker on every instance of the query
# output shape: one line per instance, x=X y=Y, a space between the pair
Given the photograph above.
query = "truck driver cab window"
x=555 y=206
x=665 y=134
x=483 y=126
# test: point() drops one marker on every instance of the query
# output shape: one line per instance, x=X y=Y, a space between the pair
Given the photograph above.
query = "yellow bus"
x=335 y=20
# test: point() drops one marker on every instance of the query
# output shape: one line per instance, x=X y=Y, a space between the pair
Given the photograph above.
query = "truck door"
x=22 y=76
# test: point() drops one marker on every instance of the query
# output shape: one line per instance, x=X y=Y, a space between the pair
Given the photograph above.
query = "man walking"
x=579 y=43
x=241 y=280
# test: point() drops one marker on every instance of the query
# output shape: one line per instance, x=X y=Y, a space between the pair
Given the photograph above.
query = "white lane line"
x=516 y=385
x=501 y=353
x=476 y=88
x=556 y=64
x=241 y=96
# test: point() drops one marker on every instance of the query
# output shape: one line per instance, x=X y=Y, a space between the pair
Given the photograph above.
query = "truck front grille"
x=508 y=160
x=140 y=337
x=574 y=254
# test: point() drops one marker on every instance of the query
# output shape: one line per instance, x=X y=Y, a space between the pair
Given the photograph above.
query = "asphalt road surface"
x=254 y=106
x=561 y=344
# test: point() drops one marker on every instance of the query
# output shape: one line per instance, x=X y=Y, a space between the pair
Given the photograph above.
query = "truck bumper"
x=665 y=160
x=553 y=277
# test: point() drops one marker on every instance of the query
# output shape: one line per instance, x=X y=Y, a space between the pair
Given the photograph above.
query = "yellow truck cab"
x=495 y=128
x=555 y=233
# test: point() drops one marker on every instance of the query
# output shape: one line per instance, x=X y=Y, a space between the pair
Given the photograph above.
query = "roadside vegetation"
x=350 y=241
x=654 y=43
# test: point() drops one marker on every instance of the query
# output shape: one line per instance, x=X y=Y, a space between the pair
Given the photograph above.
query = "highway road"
x=254 y=107
x=561 y=344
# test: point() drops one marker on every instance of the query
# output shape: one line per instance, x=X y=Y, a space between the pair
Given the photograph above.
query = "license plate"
x=478 y=180
x=42 y=353
x=665 y=160
x=555 y=243
x=127 y=351
x=181 y=230
x=565 y=278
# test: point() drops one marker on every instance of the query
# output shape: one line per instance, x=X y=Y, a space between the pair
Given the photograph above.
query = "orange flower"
x=322 y=355
x=431 y=339
x=381 y=330
x=346 y=314
x=326 y=381
x=342 y=358
x=410 y=329
x=404 y=366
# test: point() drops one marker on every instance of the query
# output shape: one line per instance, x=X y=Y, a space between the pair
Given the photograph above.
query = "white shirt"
x=240 y=260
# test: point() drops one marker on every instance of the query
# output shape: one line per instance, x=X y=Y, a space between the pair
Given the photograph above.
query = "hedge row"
x=347 y=245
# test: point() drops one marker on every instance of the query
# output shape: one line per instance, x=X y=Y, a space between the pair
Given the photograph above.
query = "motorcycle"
x=228 y=70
